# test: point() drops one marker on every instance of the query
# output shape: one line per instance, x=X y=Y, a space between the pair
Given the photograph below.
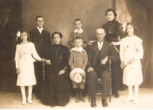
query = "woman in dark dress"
x=57 y=80
x=114 y=32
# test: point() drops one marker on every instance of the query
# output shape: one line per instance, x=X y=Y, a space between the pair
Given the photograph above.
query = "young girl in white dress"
x=131 y=51
x=24 y=58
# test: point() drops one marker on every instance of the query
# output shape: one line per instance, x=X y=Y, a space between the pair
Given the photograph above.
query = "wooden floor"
x=13 y=101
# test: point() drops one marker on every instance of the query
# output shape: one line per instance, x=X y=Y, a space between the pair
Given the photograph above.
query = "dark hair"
x=38 y=17
x=58 y=34
x=134 y=27
x=28 y=36
x=78 y=37
x=108 y=10
x=78 y=19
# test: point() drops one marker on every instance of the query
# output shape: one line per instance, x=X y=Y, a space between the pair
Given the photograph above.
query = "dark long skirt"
x=56 y=90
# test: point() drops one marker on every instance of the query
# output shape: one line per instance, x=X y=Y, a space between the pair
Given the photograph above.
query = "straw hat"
x=77 y=75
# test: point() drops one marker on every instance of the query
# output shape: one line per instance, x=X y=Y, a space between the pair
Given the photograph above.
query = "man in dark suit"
x=42 y=41
x=98 y=54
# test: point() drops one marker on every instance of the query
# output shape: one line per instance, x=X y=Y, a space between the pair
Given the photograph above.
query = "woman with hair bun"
x=58 y=85
x=114 y=32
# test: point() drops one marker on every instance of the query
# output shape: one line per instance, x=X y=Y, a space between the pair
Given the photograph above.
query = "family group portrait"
x=76 y=54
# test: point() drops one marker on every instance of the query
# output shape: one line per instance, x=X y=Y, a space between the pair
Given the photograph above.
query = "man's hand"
x=90 y=69
x=103 y=61
x=61 y=72
x=122 y=64
x=17 y=71
x=48 y=62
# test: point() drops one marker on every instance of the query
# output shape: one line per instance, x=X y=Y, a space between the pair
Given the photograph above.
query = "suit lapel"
x=95 y=48
x=104 y=47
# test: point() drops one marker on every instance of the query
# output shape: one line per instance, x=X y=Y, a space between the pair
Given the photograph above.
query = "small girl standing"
x=25 y=51
x=131 y=51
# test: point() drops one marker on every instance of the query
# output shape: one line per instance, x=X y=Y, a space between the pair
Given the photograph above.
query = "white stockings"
x=130 y=98
x=24 y=95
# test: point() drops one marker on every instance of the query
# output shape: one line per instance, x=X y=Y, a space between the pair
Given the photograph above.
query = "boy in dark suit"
x=98 y=54
x=42 y=41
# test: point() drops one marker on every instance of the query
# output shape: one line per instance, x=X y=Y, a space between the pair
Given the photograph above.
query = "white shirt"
x=40 y=29
x=100 y=45
x=78 y=31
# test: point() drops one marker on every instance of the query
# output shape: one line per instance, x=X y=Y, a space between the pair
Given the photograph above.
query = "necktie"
x=100 y=46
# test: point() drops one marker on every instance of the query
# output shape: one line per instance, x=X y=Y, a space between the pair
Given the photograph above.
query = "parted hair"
x=112 y=10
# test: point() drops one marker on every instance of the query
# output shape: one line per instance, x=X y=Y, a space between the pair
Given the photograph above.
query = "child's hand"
x=48 y=62
x=122 y=64
x=90 y=69
x=42 y=60
x=131 y=61
x=112 y=43
x=17 y=71
x=90 y=42
x=61 y=72
x=103 y=61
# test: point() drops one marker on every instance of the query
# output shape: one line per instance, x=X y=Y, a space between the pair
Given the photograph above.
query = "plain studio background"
x=59 y=15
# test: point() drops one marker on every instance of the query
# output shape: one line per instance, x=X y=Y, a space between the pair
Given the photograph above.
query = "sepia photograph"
x=76 y=54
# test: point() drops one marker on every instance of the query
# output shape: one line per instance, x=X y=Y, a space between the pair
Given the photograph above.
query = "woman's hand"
x=122 y=65
x=17 y=71
x=48 y=62
x=61 y=72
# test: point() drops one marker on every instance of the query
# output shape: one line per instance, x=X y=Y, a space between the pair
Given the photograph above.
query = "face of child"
x=24 y=36
x=110 y=16
x=100 y=33
x=130 y=30
x=78 y=43
x=78 y=24
x=40 y=22
x=56 y=39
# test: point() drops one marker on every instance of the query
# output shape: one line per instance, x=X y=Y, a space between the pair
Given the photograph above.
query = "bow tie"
x=78 y=31
x=80 y=49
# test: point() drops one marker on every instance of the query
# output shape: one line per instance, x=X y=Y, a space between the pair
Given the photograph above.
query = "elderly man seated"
x=98 y=54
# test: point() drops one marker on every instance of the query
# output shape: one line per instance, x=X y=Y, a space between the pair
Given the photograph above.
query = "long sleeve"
x=86 y=40
x=139 y=49
x=89 y=53
x=17 y=57
x=114 y=54
x=71 y=60
x=85 y=60
x=34 y=52
x=67 y=55
x=121 y=51
x=70 y=42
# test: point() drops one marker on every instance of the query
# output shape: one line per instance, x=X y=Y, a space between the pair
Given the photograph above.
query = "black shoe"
x=81 y=97
x=104 y=103
x=77 y=95
x=116 y=95
x=93 y=103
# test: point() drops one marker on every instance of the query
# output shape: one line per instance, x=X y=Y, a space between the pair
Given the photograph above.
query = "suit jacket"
x=94 y=56
x=42 y=41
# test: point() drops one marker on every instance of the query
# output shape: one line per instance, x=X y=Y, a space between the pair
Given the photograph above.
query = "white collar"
x=79 y=31
x=80 y=49
x=40 y=29
x=100 y=43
